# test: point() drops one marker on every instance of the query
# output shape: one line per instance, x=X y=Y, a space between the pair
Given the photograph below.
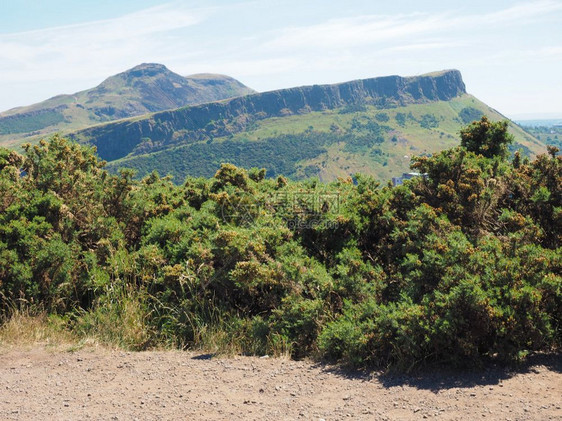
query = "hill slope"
x=372 y=126
x=143 y=89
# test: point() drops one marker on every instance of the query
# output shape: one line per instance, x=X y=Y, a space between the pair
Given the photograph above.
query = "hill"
x=371 y=126
x=143 y=89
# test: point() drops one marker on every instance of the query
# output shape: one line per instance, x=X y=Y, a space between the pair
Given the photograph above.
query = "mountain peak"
x=145 y=88
x=142 y=71
x=156 y=66
x=147 y=69
x=437 y=73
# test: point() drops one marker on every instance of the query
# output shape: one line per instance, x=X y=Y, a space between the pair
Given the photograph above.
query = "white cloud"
x=421 y=46
x=253 y=67
x=523 y=11
x=84 y=50
x=550 y=52
x=355 y=31
x=511 y=57
x=366 y=30
x=143 y=22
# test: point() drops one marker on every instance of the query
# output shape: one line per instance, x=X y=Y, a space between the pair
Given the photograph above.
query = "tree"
x=486 y=138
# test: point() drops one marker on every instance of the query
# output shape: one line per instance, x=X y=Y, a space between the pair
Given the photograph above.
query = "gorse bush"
x=460 y=265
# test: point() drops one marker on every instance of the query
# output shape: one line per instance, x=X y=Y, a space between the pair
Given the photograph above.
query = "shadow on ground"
x=436 y=378
x=203 y=357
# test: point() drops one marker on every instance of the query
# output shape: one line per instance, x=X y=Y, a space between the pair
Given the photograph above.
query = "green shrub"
x=460 y=265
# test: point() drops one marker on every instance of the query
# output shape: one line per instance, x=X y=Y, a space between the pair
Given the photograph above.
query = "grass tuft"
x=25 y=329
x=120 y=319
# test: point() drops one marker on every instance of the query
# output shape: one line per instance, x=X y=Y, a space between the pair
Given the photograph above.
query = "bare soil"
x=41 y=384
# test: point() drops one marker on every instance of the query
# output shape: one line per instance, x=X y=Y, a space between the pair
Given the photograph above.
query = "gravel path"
x=39 y=384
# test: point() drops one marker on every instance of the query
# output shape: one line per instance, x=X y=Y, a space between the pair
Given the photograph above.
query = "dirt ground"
x=41 y=384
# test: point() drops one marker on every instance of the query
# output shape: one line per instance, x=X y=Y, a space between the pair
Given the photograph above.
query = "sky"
x=509 y=52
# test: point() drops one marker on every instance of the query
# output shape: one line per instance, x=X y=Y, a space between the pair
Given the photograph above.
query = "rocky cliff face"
x=190 y=124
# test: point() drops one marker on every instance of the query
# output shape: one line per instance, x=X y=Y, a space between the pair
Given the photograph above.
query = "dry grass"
x=119 y=320
x=228 y=342
x=26 y=330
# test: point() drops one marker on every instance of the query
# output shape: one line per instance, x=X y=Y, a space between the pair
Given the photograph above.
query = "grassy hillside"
x=143 y=89
x=330 y=143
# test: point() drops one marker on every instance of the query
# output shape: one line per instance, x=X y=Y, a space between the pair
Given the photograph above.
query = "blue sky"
x=509 y=52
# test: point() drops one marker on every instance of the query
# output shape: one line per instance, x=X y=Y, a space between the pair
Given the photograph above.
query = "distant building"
x=398 y=181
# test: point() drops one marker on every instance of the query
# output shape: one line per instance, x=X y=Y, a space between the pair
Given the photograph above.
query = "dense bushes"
x=457 y=266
